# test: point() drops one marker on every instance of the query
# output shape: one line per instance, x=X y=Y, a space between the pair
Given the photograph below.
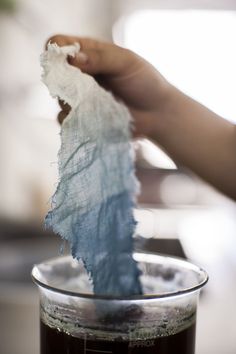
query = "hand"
x=127 y=75
x=188 y=131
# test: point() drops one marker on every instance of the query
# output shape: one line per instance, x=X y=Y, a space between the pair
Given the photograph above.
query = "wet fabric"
x=92 y=207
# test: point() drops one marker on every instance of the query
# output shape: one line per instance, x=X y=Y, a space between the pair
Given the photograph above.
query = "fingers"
x=85 y=43
x=61 y=40
x=64 y=112
x=97 y=57
x=64 y=106
x=61 y=116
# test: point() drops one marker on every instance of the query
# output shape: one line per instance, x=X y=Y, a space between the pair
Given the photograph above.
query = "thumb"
x=108 y=59
x=88 y=60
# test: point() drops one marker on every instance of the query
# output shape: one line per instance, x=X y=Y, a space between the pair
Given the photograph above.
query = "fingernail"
x=82 y=58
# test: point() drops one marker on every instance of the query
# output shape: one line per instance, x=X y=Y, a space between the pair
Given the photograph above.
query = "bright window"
x=195 y=50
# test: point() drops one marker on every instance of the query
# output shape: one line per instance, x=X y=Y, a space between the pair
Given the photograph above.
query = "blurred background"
x=192 y=42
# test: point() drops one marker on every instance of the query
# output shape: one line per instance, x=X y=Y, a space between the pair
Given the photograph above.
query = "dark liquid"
x=55 y=342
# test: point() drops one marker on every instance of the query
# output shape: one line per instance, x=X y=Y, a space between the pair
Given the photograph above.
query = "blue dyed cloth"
x=92 y=207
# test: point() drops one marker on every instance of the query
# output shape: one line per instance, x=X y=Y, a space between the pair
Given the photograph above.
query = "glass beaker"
x=161 y=321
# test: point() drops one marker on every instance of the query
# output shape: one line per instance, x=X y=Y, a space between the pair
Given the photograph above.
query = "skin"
x=192 y=134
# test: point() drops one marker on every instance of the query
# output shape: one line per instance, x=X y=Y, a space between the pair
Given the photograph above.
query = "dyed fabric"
x=92 y=207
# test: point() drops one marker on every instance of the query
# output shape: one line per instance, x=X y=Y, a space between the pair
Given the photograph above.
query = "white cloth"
x=93 y=205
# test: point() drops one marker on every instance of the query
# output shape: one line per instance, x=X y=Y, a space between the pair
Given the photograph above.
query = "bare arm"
x=192 y=134
x=199 y=139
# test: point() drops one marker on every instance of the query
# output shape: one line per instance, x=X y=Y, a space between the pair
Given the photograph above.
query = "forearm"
x=199 y=139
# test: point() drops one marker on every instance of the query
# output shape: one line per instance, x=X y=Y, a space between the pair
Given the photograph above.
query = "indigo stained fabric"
x=92 y=207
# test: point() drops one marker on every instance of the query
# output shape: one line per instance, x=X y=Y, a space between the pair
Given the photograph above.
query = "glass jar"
x=161 y=321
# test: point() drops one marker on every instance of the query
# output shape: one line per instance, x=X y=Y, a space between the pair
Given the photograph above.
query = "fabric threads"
x=92 y=207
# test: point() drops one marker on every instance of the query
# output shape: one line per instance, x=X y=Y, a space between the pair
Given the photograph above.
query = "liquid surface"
x=56 y=342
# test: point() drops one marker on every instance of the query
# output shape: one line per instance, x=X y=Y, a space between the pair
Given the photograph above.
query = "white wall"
x=29 y=134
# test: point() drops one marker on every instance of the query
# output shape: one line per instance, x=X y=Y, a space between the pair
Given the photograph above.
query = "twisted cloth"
x=92 y=207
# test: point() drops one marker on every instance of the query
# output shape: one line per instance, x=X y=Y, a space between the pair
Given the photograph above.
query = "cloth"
x=92 y=207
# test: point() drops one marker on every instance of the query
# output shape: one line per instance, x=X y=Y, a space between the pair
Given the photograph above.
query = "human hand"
x=130 y=78
x=188 y=131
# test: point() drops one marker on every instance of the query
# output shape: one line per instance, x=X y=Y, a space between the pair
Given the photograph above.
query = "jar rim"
x=139 y=257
